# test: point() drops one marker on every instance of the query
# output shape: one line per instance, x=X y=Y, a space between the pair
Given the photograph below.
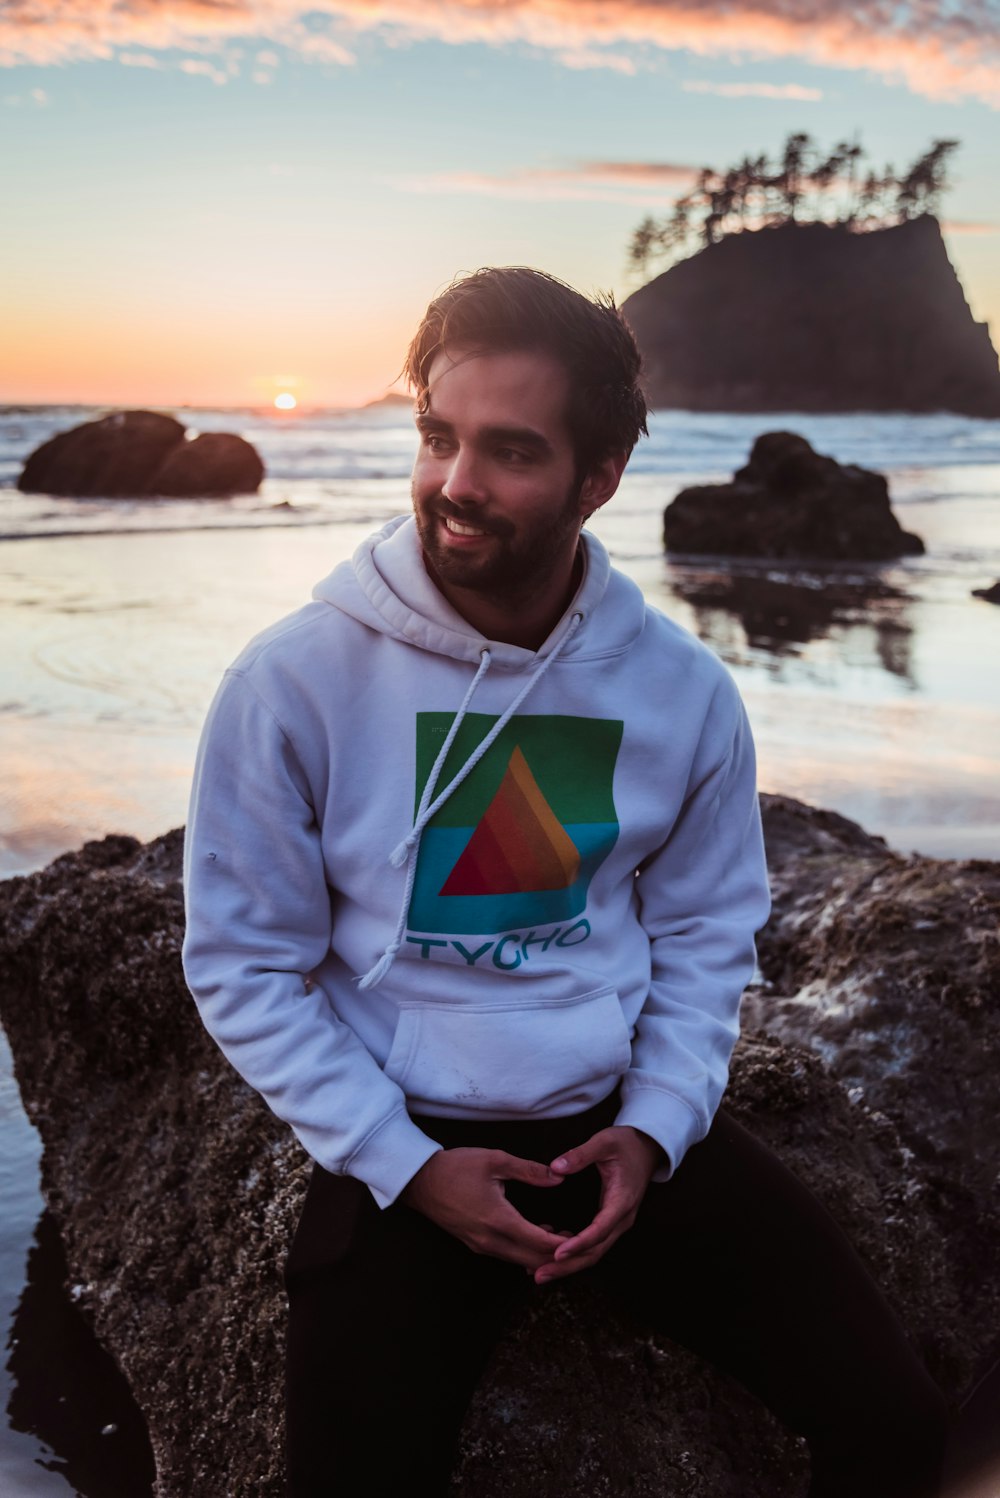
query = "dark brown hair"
x=512 y=308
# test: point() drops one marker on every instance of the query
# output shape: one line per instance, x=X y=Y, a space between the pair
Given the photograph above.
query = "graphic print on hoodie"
x=519 y=841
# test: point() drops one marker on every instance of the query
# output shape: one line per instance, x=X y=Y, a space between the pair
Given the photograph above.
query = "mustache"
x=495 y=526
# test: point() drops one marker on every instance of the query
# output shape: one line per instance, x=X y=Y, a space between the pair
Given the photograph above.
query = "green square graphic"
x=519 y=841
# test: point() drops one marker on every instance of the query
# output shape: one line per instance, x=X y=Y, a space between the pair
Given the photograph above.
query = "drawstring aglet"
x=375 y=975
x=401 y=853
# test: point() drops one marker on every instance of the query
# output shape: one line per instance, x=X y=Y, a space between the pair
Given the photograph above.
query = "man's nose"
x=464 y=482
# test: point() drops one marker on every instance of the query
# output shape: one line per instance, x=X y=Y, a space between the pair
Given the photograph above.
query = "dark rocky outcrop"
x=138 y=454
x=177 y=1191
x=811 y=317
x=888 y=968
x=789 y=501
x=991 y=594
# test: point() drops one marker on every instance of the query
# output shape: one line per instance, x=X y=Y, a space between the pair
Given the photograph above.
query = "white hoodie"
x=576 y=913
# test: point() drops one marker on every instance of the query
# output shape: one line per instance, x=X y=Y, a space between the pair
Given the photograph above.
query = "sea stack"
x=815 y=317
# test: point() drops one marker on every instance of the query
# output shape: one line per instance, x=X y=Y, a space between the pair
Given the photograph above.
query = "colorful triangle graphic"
x=519 y=844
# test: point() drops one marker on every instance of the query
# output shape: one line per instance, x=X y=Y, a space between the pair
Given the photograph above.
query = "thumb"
x=579 y=1158
x=531 y=1172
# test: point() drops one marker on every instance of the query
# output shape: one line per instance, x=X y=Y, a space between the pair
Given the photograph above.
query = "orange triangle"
x=519 y=845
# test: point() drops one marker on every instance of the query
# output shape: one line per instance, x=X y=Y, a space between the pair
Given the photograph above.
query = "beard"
x=517 y=562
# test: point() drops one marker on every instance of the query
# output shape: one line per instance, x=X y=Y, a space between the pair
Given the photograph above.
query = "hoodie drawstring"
x=408 y=850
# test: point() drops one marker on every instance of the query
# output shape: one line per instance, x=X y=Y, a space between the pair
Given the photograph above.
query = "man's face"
x=495 y=489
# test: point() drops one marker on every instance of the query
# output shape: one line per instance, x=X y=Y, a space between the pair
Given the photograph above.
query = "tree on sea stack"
x=807 y=185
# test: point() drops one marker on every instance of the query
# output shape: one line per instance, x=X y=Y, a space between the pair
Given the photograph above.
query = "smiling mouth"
x=459 y=528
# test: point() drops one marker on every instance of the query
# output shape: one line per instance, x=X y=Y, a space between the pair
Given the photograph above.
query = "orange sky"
x=213 y=202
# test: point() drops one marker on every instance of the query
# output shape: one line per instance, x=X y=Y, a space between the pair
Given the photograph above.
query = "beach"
x=872 y=689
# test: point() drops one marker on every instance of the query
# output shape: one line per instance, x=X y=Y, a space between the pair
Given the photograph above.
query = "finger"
x=583 y=1251
x=532 y=1172
x=615 y=1214
x=557 y=1269
x=524 y=1241
x=546 y=1274
x=596 y=1148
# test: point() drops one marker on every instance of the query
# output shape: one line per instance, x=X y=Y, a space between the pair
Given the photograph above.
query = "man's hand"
x=462 y=1191
x=626 y=1160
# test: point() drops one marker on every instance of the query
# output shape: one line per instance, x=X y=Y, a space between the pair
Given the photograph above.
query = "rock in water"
x=211 y=464
x=177 y=1191
x=991 y=595
x=813 y=317
x=789 y=501
x=137 y=454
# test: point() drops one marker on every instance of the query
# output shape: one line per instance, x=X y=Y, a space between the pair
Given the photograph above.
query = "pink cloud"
x=934 y=47
x=755 y=91
x=638 y=183
x=965 y=226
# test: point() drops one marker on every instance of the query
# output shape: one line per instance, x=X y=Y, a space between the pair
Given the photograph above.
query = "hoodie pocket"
x=518 y=1058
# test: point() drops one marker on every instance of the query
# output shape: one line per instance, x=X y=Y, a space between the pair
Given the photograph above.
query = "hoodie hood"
x=386 y=586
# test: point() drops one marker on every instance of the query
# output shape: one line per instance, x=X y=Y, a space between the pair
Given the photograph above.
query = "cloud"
x=318 y=47
x=645 y=173
x=36 y=98
x=965 y=226
x=582 y=58
x=199 y=68
x=939 y=48
x=641 y=184
x=755 y=91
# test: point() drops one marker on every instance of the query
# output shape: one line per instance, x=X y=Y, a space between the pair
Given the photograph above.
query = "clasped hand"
x=462 y=1190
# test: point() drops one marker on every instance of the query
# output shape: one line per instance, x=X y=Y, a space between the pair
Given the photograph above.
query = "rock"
x=991 y=595
x=136 y=454
x=177 y=1191
x=888 y=969
x=213 y=464
x=789 y=501
x=813 y=317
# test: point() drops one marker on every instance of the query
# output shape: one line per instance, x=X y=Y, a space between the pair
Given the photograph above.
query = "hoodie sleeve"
x=258 y=924
x=703 y=897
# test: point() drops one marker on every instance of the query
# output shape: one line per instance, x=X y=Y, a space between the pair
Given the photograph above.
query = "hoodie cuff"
x=664 y=1118
x=390 y=1158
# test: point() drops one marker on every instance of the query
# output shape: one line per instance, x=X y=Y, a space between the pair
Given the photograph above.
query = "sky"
x=210 y=202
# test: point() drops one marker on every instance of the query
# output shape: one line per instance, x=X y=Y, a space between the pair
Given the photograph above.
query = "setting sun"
x=285 y=401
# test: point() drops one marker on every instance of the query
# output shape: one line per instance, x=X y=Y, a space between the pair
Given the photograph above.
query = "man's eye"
x=512 y=455
x=435 y=443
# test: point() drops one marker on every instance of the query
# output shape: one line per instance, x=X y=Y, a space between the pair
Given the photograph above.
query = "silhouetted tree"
x=824 y=175
x=803 y=185
x=793 y=169
x=921 y=188
x=644 y=241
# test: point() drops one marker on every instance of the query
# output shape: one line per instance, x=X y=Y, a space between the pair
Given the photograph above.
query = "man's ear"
x=601 y=482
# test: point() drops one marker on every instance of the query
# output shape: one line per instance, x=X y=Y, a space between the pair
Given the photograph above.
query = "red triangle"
x=519 y=844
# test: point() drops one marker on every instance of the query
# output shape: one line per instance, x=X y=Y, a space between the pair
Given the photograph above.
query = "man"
x=474 y=871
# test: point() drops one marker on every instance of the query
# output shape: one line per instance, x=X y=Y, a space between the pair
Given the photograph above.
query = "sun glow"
x=285 y=401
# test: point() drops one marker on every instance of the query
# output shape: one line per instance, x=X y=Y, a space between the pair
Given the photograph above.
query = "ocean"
x=872 y=689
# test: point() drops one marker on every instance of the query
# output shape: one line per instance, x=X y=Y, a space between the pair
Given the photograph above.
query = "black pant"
x=392 y=1320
